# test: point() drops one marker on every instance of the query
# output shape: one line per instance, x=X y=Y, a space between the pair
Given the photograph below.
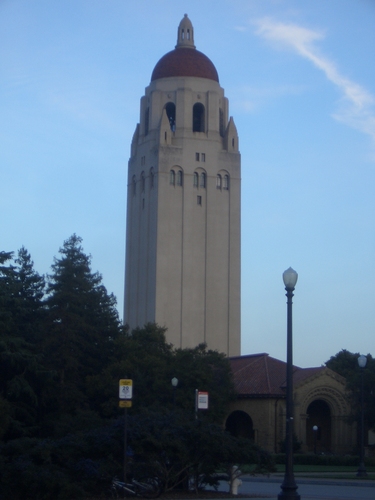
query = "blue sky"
x=300 y=78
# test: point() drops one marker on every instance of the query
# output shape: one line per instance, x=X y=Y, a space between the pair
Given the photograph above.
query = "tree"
x=81 y=327
x=346 y=364
x=144 y=356
x=30 y=294
x=21 y=292
x=177 y=447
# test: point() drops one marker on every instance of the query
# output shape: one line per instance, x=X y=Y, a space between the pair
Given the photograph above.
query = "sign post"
x=125 y=396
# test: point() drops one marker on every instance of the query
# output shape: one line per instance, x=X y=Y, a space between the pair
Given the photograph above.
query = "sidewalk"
x=303 y=478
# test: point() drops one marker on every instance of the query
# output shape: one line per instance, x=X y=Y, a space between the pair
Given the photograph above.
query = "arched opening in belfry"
x=318 y=427
x=240 y=424
x=170 y=109
x=198 y=117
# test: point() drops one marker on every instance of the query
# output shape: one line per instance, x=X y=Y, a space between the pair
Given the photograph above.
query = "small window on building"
x=196 y=179
x=218 y=181
x=172 y=178
x=203 y=156
x=143 y=203
x=203 y=180
x=179 y=178
x=199 y=200
x=143 y=181
x=196 y=156
x=226 y=182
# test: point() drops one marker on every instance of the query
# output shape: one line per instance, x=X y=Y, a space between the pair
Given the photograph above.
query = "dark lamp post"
x=289 y=486
x=315 y=431
x=361 y=472
x=174 y=383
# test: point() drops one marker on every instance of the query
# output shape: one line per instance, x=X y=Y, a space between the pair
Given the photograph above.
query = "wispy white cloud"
x=356 y=107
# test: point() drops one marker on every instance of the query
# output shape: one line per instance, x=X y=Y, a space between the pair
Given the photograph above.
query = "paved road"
x=309 y=489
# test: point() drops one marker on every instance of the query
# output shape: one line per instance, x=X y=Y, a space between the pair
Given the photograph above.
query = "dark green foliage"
x=62 y=353
x=346 y=364
x=184 y=449
x=296 y=444
x=81 y=327
x=21 y=370
x=144 y=356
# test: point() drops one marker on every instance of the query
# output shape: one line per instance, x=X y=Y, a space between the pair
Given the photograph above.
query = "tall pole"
x=361 y=472
x=289 y=486
x=125 y=441
x=315 y=431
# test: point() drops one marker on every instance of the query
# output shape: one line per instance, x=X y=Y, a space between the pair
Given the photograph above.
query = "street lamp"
x=315 y=431
x=289 y=486
x=362 y=360
x=174 y=382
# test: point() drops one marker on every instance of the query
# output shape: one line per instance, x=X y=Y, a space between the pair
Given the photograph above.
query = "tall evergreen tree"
x=21 y=292
x=82 y=326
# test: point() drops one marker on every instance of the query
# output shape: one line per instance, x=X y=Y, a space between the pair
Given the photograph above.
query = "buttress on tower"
x=183 y=205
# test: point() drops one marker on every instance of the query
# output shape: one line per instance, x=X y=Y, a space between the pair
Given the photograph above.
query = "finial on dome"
x=185 y=34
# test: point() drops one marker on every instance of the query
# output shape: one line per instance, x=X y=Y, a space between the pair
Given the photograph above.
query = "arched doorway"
x=319 y=416
x=239 y=424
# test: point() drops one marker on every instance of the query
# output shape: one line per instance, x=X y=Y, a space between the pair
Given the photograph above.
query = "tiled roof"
x=260 y=375
x=185 y=62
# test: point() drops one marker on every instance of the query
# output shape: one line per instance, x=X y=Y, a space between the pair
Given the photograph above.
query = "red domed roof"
x=185 y=62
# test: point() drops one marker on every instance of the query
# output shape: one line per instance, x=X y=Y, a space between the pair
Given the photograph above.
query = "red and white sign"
x=202 y=402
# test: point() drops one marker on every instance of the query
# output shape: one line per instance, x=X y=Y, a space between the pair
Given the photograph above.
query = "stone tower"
x=183 y=205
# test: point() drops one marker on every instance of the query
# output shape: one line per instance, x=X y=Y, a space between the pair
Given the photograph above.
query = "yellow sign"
x=125 y=404
x=126 y=389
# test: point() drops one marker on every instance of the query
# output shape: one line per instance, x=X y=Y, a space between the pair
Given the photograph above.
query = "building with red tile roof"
x=320 y=400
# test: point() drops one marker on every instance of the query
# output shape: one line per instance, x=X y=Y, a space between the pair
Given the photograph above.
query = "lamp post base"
x=361 y=472
x=288 y=490
x=289 y=493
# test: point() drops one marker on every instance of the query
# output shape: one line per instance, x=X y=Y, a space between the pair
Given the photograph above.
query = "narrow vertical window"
x=196 y=179
x=203 y=180
x=198 y=117
x=221 y=122
x=179 y=178
x=226 y=181
x=172 y=178
x=199 y=200
x=218 y=181
x=196 y=156
x=203 y=156
x=147 y=120
x=170 y=109
x=143 y=181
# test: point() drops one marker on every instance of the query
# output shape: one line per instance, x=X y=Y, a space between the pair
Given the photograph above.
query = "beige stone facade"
x=320 y=400
x=183 y=205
